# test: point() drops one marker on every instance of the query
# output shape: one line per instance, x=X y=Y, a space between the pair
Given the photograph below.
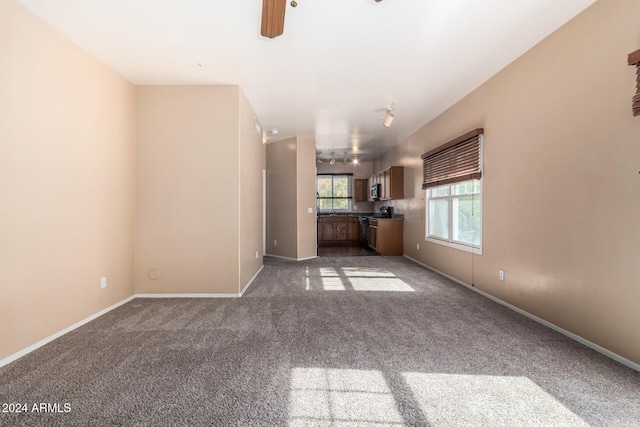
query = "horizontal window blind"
x=456 y=161
x=634 y=59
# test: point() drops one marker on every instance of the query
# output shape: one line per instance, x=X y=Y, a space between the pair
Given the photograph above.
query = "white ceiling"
x=335 y=69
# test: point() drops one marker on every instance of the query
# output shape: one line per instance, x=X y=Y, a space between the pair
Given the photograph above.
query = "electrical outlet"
x=256 y=254
x=103 y=283
x=275 y=243
x=418 y=246
x=502 y=275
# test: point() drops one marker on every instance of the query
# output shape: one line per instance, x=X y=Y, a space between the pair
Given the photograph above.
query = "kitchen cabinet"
x=354 y=235
x=386 y=236
x=336 y=230
x=360 y=190
x=391 y=182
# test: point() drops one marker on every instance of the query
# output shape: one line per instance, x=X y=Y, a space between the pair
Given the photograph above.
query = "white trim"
x=47 y=340
x=281 y=257
x=187 y=295
x=250 y=281
x=629 y=363
x=454 y=245
x=264 y=210
x=289 y=258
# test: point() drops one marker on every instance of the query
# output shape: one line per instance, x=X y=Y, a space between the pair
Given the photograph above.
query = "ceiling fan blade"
x=273 y=18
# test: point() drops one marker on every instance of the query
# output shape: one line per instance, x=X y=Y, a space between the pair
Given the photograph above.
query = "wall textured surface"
x=67 y=180
x=561 y=190
x=188 y=189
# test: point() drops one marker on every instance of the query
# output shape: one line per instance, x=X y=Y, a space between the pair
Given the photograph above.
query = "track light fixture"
x=389 y=119
x=332 y=161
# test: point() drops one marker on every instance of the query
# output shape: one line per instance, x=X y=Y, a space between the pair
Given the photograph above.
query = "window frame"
x=349 y=197
x=450 y=242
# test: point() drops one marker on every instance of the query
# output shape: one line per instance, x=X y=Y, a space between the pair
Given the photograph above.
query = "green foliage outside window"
x=333 y=191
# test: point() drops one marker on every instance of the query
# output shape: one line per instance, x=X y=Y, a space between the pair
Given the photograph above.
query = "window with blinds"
x=334 y=191
x=634 y=59
x=456 y=161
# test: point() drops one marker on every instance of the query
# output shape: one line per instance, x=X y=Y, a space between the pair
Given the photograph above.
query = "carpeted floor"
x=362 y=341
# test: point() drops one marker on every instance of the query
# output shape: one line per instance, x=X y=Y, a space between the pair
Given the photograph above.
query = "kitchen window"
x=334 y=192
x=454 y=215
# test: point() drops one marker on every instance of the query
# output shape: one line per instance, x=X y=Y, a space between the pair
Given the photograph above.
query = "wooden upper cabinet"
x=360 y=190
x=391 y=182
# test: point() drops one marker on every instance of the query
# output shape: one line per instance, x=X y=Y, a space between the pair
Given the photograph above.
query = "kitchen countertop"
x=360 y=214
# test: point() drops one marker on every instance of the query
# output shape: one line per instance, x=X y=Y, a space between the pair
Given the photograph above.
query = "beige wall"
x=362 y=170
x=291 y=187
x=306 y=198
x=188 y=182
x=252 y=162
x=282 y=198
x=67 y=180
x=561 y=191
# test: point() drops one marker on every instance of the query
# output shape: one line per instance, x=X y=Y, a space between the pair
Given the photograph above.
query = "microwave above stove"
x=375 y=192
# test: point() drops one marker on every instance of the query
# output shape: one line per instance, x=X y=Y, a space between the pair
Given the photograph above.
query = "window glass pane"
x=439 y=218
x=468 y=187
x=324 y=186
x=466 y=219
x=324 y=204
x=340 y=186
x=459 y=188
x=442 y=191
x=340 y=203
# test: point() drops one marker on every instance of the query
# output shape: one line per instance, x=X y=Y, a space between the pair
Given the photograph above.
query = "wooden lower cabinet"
x=326 y=231
x=388 y=239
x=336 y=230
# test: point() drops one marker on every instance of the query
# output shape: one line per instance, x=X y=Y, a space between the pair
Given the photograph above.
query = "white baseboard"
x=187 y=295
x=238 y=295
x=76 y=325
x=289 y=258
x=631 y=364
x=23 y=352
x=251 y=281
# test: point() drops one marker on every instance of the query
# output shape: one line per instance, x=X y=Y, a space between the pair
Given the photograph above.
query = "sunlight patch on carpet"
x=366 y=272
x=479 y=400
x=330 y=397
x=360 y=279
